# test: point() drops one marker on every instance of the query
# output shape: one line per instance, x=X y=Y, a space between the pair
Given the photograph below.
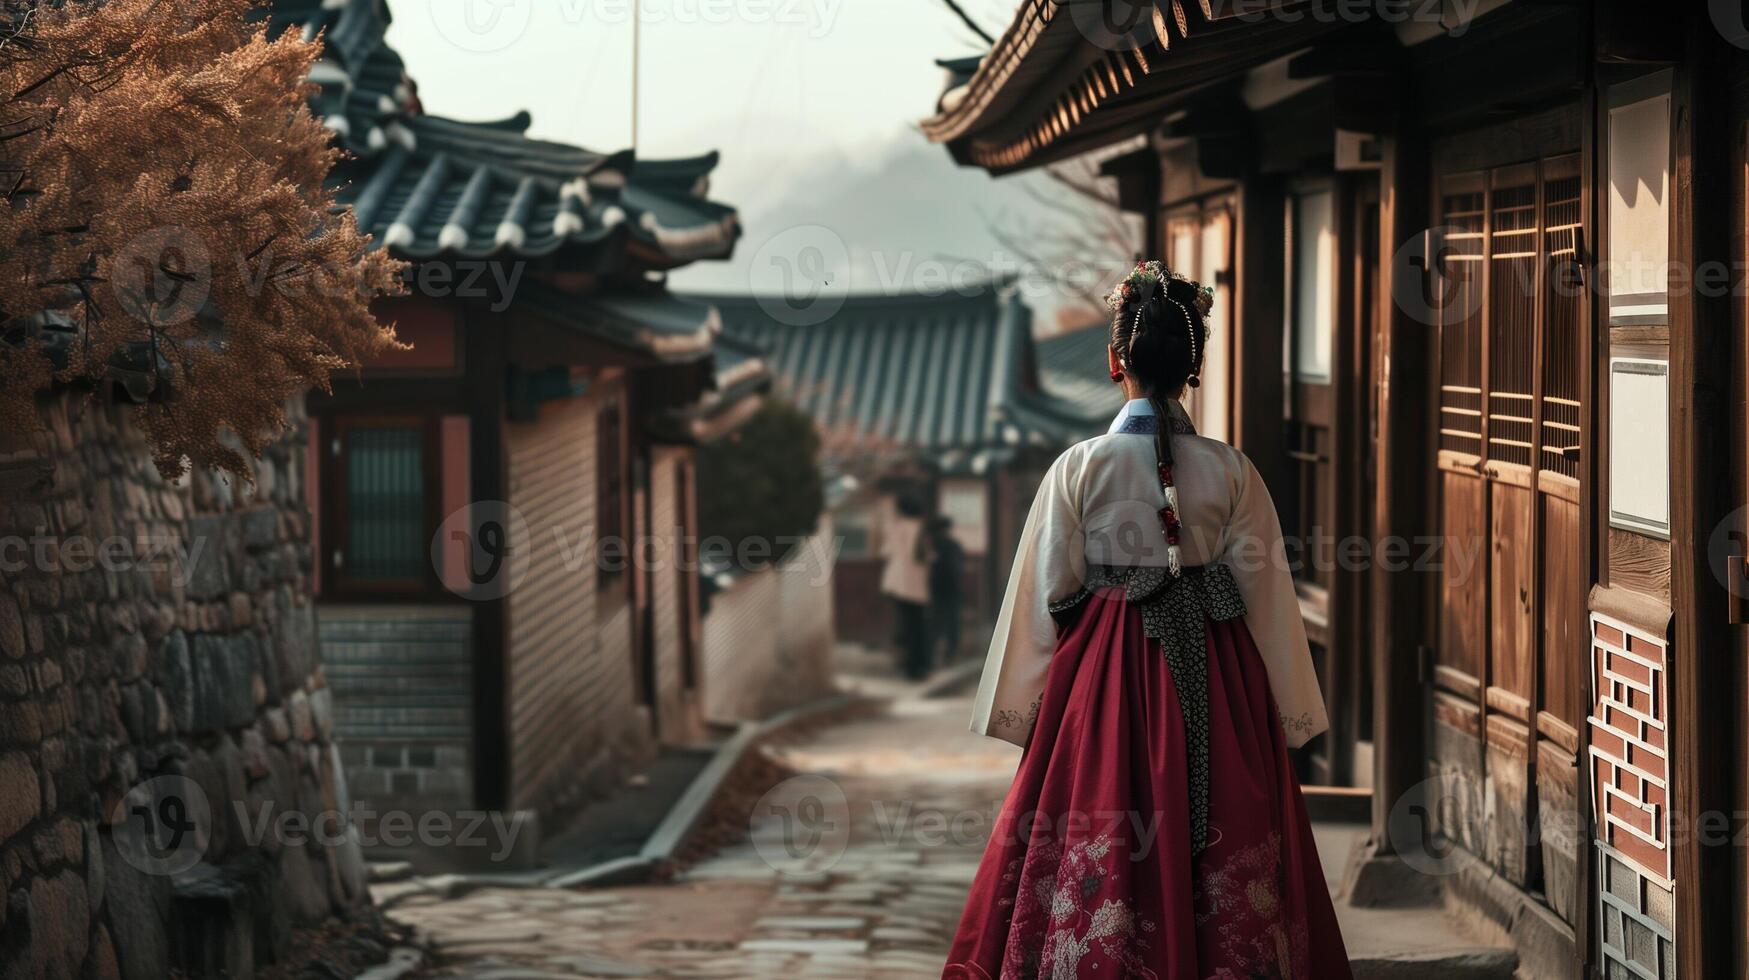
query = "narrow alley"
x=800 y=897
x=855 y=866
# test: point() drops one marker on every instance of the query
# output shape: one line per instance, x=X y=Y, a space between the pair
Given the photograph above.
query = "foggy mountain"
x=899 y=217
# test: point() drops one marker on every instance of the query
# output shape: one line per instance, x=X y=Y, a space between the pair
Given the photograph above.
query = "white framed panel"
x=1311 y=289
x=1639 y=201
x=1217 y=364
x=1639 y=445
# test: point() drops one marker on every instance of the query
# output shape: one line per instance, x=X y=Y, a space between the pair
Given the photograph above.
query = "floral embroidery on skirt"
x=1093 y=871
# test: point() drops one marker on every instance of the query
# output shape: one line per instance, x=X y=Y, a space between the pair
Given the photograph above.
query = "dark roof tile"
x=1072 y=366
x=427 y=186
x=942 y=375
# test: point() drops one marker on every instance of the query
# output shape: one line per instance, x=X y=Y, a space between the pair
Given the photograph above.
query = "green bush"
x=761 y=484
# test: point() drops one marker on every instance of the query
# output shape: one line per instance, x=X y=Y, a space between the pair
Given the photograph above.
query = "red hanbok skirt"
x=1091 y=871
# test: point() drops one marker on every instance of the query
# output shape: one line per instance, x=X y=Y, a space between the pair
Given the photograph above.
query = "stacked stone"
x=154 y=629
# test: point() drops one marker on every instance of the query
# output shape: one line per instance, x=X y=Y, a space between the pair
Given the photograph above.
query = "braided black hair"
x=1159 y=330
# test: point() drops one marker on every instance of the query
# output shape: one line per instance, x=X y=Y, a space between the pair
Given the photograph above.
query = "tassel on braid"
x=1169 y=517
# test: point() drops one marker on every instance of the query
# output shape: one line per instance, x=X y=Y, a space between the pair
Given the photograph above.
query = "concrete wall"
x=768 y=638
x=158 y=647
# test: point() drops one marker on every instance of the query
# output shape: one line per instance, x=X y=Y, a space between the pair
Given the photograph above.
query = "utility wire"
x=966 y=19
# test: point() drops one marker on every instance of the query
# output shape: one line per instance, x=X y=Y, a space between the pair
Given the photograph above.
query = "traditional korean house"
x=491 y=641
x=1481 y=313
x=933 y=395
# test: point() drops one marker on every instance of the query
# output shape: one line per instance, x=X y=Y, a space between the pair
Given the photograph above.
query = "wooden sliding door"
x=1508 y=678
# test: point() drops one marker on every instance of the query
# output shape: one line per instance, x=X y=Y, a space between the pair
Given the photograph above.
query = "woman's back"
x=1119 y=510
x=1151 y=658
x=1098 y=507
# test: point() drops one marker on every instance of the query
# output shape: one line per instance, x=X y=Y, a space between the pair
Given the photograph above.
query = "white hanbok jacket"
x=1099 y=504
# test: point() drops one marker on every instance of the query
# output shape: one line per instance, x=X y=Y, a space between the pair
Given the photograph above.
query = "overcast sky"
x=764 y=81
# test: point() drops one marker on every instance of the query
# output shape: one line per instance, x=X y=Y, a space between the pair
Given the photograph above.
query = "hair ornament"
x=1139 y=283
x=1148 y=275
x=1205 y=300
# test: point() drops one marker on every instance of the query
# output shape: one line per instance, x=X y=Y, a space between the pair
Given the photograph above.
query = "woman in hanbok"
x=1150 y=659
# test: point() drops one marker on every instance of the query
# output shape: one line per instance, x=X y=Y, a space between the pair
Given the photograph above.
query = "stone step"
x=1417 y=942
x=1480 y=963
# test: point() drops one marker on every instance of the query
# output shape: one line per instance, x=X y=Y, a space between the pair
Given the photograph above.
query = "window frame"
x=612 y=468
x=338 y=581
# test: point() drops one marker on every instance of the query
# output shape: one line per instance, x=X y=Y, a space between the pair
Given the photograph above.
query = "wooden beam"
x=1138 y=180
x=1260 y=246
x=1700 y=341
x=1404 y=373
x=1739 y=438
x=1351 y=452
x=484 y=342
x=1628 y=33
x=1374 y=55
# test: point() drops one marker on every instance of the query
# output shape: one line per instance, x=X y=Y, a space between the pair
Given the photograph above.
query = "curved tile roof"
x=1048 y=89
x=475 y=190
x=427 y=186
x=655 y=322
x=938 y=374
x=1072 y=366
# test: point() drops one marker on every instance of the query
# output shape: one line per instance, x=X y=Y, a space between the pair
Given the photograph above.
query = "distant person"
x=947 y=566
x=1151 y=659
x=906 y=580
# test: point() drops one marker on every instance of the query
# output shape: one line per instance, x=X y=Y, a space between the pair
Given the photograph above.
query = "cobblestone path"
x=868 y=883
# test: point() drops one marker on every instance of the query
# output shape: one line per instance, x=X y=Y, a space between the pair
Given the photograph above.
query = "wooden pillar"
x=488 y=480
x=1700 y=344
x=1261 y=249
x=1739 y=438
x=1404 y=375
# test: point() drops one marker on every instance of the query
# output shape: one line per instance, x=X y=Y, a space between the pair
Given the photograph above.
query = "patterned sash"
x=1176 y=611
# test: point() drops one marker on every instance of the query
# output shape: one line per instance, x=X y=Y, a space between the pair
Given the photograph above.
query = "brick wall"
x=572 y=702
x=402 y=680
x=1629 y=776
x=176 y=663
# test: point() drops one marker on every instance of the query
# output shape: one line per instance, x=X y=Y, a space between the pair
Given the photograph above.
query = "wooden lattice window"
x=1563 y=308
x=380 y=503
x=1510 y=346
x=1462 y=201
x=1513 y=272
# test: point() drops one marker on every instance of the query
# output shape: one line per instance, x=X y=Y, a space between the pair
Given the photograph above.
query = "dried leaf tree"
x=168 y=220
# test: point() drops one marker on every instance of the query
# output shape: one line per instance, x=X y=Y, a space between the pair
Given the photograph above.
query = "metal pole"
x=637 y=19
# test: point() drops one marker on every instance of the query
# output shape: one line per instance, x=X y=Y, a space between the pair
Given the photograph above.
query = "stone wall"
x=158 y=647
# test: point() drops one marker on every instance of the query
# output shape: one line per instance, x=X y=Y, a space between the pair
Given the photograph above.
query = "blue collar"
x=1137 y=418
x=1135 y=408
